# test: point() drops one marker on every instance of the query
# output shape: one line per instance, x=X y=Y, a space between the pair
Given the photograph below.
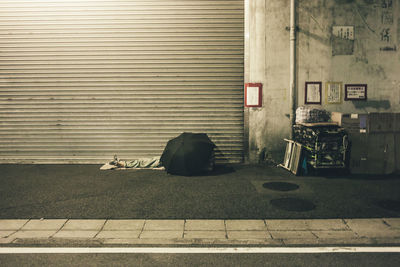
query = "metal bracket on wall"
x=287 y=28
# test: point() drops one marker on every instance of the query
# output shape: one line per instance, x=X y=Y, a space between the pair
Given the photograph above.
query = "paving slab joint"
x=183 y=231
x=24 y=224
x=141 y=231
x=386 y=223
x=7 y=236
x=345 y=223
x=101 y=229
x=267 y=229
x=226 y=230
x=62 y=226
x=314 y=234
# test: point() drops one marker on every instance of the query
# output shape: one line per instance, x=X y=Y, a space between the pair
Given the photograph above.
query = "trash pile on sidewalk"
x=366 y=143
x=317 y=142
x=324 y=145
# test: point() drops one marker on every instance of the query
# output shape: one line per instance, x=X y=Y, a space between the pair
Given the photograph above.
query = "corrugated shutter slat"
x=81 y=81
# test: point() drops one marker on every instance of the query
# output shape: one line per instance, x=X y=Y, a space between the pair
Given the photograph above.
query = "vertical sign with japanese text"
x=387 y=26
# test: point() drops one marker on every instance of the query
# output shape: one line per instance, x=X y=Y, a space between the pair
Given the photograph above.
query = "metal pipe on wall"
x=293 y=90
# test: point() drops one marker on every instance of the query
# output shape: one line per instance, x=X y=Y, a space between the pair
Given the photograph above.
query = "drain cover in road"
x=281 y=186
x=293 y=204
x=389 y=204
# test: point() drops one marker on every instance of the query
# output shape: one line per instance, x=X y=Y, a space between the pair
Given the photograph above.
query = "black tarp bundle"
x=188 y=154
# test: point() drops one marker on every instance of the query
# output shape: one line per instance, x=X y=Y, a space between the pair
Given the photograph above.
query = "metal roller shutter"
x=81 y=81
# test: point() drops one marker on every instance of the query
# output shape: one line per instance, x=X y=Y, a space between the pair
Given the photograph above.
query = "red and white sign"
x=253 y=95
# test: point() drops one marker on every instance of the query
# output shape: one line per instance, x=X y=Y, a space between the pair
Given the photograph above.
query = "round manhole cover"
x=293 y=204
x=389 y=204
x=281 y=186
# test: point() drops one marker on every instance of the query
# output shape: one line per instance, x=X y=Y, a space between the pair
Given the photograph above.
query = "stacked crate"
x=325 y=144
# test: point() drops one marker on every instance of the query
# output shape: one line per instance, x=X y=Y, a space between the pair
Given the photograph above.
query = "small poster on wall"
x=253 y=95
x=355 y=92
x=313 y=93
x=333 y=92
x=343 y=32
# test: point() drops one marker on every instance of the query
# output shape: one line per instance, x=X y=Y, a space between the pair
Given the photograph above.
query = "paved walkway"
x=385 y=231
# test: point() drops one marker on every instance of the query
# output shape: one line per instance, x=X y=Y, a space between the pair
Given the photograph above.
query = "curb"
x=280 y=233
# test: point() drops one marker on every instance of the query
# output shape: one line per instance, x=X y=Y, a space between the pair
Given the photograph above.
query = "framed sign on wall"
x=355 y=92
x=333 y=92
x=253 y=95
x=313 y=92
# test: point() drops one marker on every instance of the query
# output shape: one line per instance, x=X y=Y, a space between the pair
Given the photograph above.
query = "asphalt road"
x=306 y=260
x=235 y=192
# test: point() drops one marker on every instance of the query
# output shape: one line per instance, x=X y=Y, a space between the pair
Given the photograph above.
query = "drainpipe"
x=292 y=65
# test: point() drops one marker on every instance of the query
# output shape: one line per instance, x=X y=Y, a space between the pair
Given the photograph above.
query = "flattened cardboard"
x=352 y=123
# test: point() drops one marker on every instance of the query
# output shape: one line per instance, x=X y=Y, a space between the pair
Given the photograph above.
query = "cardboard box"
x=374 y=153
x=375 y=141
x=358 y=162
x=381 y=122
x=352 y=123
x=396 y=127
x=381 y=153
x=397 y=151
x=337 y=117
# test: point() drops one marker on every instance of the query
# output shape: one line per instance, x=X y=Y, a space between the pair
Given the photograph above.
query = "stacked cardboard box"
x=374 y=140
x=397 y=141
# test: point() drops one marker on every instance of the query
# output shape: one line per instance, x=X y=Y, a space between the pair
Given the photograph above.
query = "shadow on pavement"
x=222 y=169
x=218 y=171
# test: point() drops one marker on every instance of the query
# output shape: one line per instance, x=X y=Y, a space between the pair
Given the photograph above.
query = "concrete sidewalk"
x=320 y=232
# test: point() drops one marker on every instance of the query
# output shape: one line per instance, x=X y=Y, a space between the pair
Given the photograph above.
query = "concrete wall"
x=372 y=58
